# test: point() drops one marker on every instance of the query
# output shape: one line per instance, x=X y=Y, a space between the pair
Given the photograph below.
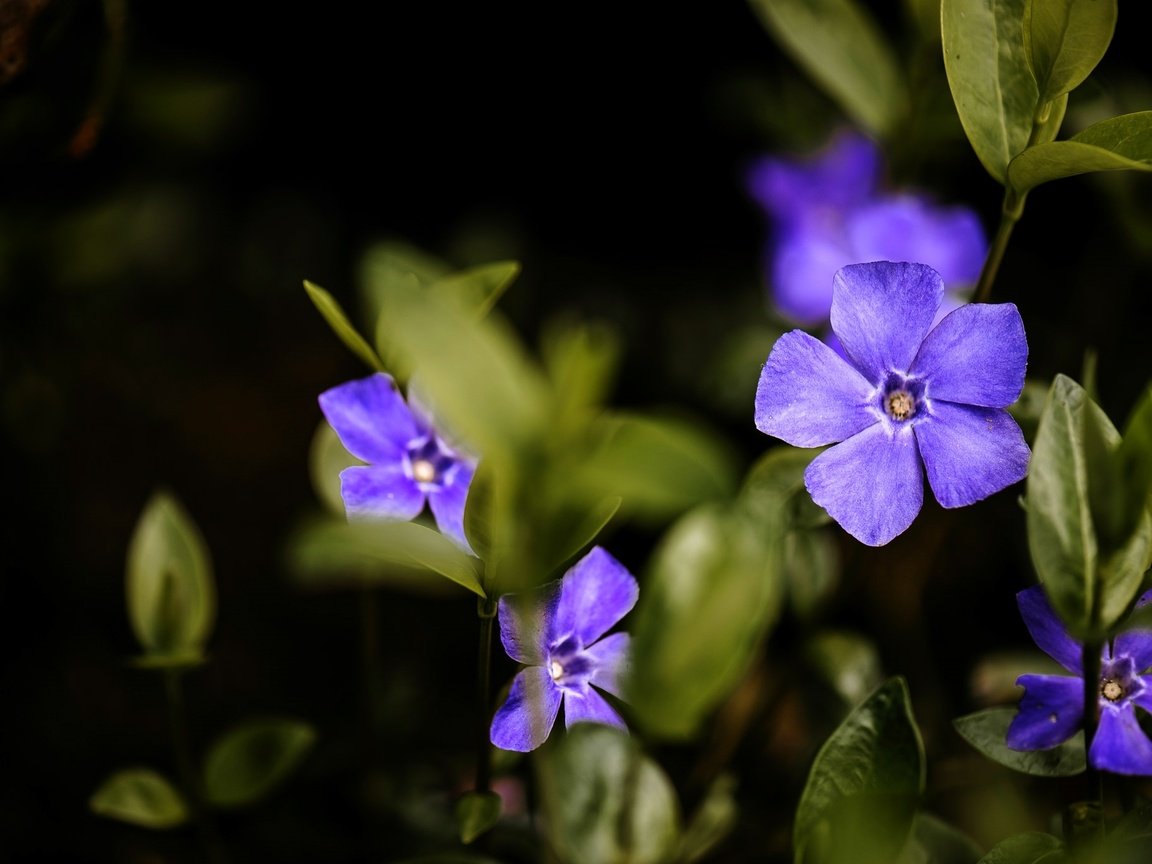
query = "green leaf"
x=934 y=841
x=616 y=806
x=713 y=820
x=1064 y=40
x=712 y=591
x=774 y=485
x=476 y=813
x=170 y=592
x=326 y=459
x=847 y=661
x=478 y=511
x=140 y=796
x=478 y=288
x=840 y=46
x=1135 y=457
x=860 y=799
x=1116 y=144
x=987 y=731
x=389 y=263
x=253 y=758
x=566 y=535
x=387 y=552
x=811 y=569
x=581 y=363
x=992 y=85
x=1030 y=848
x=341 y=326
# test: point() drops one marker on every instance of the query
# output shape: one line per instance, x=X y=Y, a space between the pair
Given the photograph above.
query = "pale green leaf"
x=1065 y=39
x=476 y=813
x=140 y=796
x=252 y=759
x=478 y=288
x=1117 y=144
x=334 y=314
x=326 y=459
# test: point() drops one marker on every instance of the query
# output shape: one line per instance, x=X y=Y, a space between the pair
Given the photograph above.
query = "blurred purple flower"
x=556 y=632
x=830 y=211
x=408 y=462
x=904 y=395
x=1052 y=708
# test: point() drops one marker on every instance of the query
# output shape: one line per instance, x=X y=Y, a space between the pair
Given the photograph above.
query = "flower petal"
x=380 y=491
x=809 y=396
x=1137 y=644
x=594 y=594
x=448 y=502
x=523 y=722
x=872 y=483
x=589 y=707
x=1047 y=630
x=882 y=311
x=804 y=260
x=1051 y=712
x=525 y=621
x=976 y=355
x=970 y=453
x=370 y=418
x=1120 y=745
x=610 y=657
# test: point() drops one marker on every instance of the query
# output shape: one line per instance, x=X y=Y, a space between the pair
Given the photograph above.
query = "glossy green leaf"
x=337 y=319
x=859 y=802
x=170 y=591
x=476 y=813
x=252 y=759
x=140 y=796
x=934 y=841
x=1030 y=848
x=987 y=731
x=839 y=45
x=615 y=804
x=1064 y=40
x=713 y=820
x=1117 y=144
x=712 y=591
x=988 y=73
x=478 y=288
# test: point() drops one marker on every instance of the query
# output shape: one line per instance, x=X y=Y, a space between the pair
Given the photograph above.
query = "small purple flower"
x=831 y=211
x=556 y=632
x=906 y=397
x=1052 y=708
x=408 y=463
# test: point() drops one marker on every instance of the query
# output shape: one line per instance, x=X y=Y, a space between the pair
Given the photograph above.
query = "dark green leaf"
x=713 y=820
x=252 y=759
x=811 y=569
x=987 y=731
x=341 y=326
x=614 y=805
x=840 y=46
x=142 y=797
x=774 y=485
x=992 y=86
x=860 y=799
x=476 y=813
x=1065 y=39
x=478 y=288
x=1135 y=457
x=1120 y=143
x=1030 y=848
x=936 y=842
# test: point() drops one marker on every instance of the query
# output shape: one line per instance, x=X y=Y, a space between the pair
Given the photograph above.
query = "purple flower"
x=1052 y=708
x=904 y=395
x=830 y=211
x=408 y=463
x=556 y=632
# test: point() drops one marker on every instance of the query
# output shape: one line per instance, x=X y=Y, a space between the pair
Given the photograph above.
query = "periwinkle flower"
x=905 y=398
x=408 y=462
x=831 y=210
x=1052 y=707
x=558 y=633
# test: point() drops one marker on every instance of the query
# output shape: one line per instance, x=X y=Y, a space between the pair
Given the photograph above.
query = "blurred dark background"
x=169 y=175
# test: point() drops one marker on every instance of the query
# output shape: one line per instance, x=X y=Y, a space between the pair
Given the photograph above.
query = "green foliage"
x=477 y=288
x=712 y=821
x=1064 y=40
x=860 y=799
x=936 y=842
x=140 y=796
x=987 y=731
x=476 y=813
x=252 y=759
x=1030 y=848
x=337 y=319
x=326 y=459
x=1119 y=143
x=840 y=46
x=170 y=592
x=850 y=663
x=615 y=804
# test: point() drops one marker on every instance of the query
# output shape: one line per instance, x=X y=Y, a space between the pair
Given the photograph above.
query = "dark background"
x=154 y=332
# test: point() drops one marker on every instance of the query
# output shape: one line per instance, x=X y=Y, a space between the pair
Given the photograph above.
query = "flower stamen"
x=900 y=405
x=423 y=471
x=1111 y=689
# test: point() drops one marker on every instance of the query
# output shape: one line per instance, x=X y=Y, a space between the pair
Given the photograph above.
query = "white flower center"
x=423 y=471
x=555 y=670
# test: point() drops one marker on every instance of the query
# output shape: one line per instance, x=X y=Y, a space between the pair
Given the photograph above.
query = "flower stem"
x=1010 y=213
x=486 y=610
x=1091 y=657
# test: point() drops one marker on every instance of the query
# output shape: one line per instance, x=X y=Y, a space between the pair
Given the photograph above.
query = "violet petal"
x=523 y=722
x=594 y=594
x=804 y=260
x=381 y=491
x=1137 y=644
x=525 y=621
x=970 y=453
x=1120 y=745
x=448 y=502
x=977 y=355
x=610 y=658
x=589 y=707
x=370 y=418
x=1047 y=630
x=1051 y=712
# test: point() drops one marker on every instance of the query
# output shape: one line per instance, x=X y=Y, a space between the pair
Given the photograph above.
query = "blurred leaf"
x=476 y=813
x=775 y=481
x=326 y=459
x=850 y=663
x=812 y=570
x=451 y=858
x=1134 y=459
x=934 y=841
x=617 y=807
x=1064 y=40
x=987 y=731
x=840 y=46
x=1119 y=143
x=141 y=797
x=860 y=799
x=988 y=72
x=253 y=758
x=713 y=820
x=325 y=546
x=581 y=363
x=1030 y=848
x=341 y=326
x=478 y=288
x=389 y=262
x=713 y=590
x=478 y=513
x=565 y=536
x=170 y=592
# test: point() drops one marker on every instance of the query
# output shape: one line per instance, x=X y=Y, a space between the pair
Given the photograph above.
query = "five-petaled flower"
x=408 y=462
x=905 y=395
x=558 y=633
x=1052 y=708
x=831 y=210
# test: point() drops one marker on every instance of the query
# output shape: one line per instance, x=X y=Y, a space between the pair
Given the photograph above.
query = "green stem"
x=1010 y=214
x=185 y=766
x=486 y=610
